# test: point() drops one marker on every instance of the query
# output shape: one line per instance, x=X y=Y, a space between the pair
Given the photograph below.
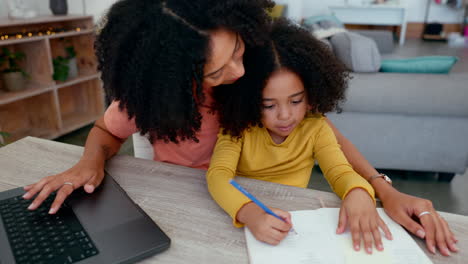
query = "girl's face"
x=225 y=64
x=284 y=104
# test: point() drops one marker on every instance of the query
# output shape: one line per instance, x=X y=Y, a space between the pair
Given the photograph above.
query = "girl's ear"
x=309 y=108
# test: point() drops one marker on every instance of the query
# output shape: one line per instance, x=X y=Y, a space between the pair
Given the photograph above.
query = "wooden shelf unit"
x=48 y=108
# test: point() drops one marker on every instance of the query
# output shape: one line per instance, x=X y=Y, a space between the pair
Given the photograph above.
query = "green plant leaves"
x=12 y=58
x=61 y=68
x=4 y=135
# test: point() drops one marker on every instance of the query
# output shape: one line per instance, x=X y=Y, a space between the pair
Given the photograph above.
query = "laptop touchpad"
x=104 y=209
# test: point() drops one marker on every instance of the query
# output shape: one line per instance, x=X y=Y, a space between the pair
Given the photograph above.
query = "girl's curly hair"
x=151 y=54
x=291 y=47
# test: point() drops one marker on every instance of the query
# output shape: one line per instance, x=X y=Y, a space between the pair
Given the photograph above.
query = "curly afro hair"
x=291 y=47
x=151 y=55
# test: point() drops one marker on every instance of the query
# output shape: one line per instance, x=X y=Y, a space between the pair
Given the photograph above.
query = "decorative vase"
x=14 y=81
x=58 y=7
x=72 y=68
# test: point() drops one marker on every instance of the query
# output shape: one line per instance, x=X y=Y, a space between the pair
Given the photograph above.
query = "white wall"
x=93 y=7
x=416 y=10
x=296 y=9
x=97 y=7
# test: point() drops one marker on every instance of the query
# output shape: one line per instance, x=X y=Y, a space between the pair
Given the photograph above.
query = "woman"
x=159 y=61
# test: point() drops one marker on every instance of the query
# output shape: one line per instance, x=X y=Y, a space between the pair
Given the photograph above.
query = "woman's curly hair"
x=290 y=47
x=151 y=54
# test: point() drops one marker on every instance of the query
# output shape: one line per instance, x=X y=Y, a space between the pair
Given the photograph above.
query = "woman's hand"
x=359 y=212
x=85 y=172
x=405 y=208
x=265 y=227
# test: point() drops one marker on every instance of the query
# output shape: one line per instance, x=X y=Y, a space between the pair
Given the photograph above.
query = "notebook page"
x=317 y=242
x=401 y=250
x=310 y=245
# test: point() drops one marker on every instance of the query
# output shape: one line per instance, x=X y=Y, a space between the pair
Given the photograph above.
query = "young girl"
x=301 y=81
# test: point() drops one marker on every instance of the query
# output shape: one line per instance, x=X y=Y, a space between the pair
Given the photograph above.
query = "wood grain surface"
x=176 y=198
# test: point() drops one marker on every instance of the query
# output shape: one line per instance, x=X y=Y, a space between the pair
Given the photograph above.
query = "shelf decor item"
x=65 y=67
x=18 y=9
x=58 y=7
x=13 y=76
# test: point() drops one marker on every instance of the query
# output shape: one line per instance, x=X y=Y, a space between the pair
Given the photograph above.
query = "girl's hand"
x=359 y=212
x=265 y=227
x=432 y=227
x=86 y=173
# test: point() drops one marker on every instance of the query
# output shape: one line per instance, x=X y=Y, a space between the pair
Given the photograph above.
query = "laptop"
x=103 y=227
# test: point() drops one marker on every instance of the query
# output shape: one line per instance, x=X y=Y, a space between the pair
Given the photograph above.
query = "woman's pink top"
x=186 y=153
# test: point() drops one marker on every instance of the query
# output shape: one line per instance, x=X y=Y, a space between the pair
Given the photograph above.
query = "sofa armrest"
x=383 y=39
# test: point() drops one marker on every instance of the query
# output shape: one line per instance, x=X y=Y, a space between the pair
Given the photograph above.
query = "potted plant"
x=3 y=135
x=13 y=76
x=65 y=67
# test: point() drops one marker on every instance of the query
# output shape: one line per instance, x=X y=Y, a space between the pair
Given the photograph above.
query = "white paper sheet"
x=317 y=242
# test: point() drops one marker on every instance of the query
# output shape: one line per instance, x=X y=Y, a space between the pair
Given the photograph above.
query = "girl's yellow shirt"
x=256 y=156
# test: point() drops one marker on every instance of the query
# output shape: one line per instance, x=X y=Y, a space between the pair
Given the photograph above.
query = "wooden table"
x=177 y=199
x=384 y=15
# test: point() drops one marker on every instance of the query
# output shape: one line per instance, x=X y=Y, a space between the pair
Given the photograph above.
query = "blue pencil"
x=256 y=201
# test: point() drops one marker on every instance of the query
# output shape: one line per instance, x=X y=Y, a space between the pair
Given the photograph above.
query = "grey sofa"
x=413 y=122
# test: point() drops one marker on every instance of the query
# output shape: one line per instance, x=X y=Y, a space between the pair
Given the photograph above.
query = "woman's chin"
x=230 y=82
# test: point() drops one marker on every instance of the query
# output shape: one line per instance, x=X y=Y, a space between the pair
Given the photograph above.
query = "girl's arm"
x=401 y=207
x=223 y=165
x=358 y=208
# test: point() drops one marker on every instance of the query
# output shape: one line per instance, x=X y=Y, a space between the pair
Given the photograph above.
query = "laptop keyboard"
x=37 y=237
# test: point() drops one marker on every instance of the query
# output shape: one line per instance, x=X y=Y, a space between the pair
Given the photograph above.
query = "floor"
x=446 y=196
x=78 y=137
x=416 y=48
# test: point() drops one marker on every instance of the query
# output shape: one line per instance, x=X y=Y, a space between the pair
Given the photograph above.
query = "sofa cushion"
x=358 y=53
x=324 y=26
x=428 y=64
x=322 y=21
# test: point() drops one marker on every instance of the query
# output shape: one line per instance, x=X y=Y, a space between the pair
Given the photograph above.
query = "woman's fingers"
x=449 y=236
x=94 y=182
x=408 y=223
x=28 y=187
x=46 y=190
x=62 y=194
x=430 y=227
x=440 y=236
x=64 y=183
x=33 y=189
